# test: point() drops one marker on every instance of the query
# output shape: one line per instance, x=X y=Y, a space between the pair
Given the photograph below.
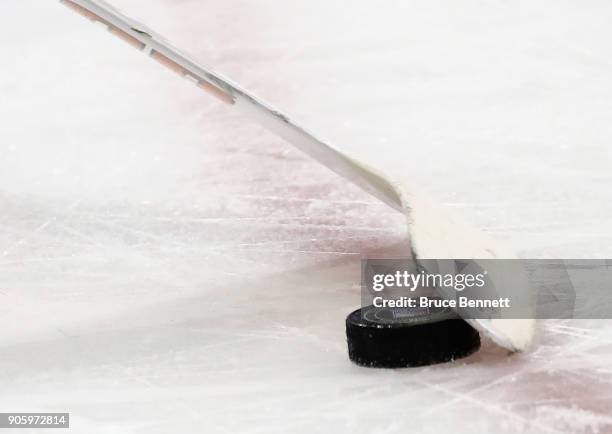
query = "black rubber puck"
x=408 y=337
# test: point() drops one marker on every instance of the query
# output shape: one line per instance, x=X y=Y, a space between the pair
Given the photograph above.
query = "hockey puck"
x=408 y=337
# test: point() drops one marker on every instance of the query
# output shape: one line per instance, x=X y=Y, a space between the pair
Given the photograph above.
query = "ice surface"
x=167 y=266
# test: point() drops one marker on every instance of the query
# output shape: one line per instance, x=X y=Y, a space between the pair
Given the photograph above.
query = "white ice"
x=168 y=266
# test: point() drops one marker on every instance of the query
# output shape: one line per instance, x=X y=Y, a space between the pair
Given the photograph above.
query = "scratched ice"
x=167 y=266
